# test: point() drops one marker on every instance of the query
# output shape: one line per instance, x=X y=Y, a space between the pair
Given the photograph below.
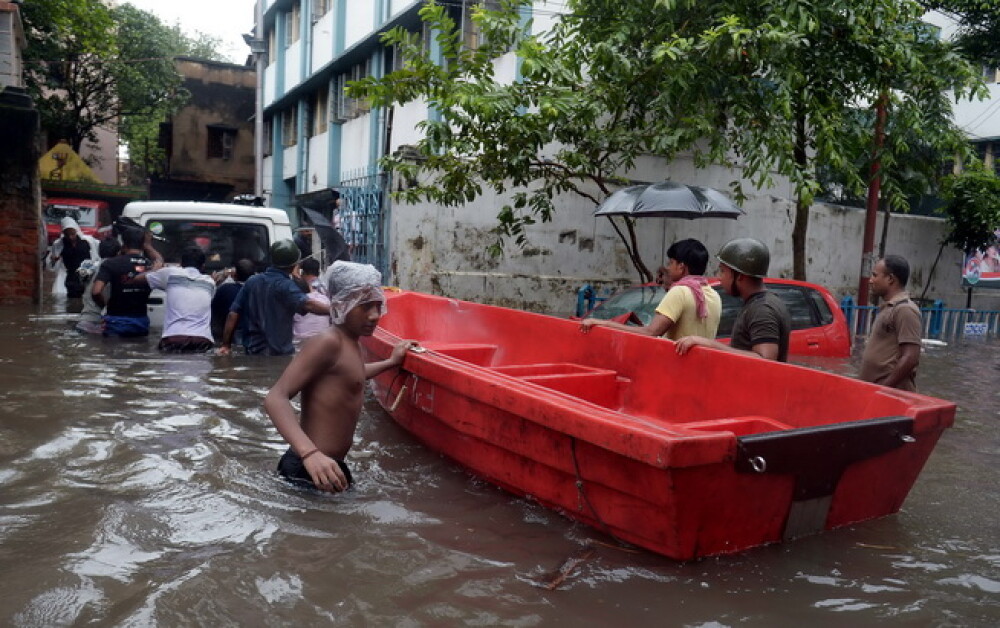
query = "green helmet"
x=746 y=255
x=285 y=254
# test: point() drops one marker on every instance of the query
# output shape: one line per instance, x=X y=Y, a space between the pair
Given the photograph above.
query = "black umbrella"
x=333 y=241
x=669 y=200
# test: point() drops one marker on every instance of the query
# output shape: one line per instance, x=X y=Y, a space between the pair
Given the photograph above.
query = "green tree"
x=769 y=88
x=88 y=66
x=818 y=63
x=972 y=208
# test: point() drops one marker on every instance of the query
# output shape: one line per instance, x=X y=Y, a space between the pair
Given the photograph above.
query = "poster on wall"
x=982 y=268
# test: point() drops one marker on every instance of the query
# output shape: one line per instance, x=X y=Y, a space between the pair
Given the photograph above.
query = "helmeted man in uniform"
x=763 y=326
x=269 y=302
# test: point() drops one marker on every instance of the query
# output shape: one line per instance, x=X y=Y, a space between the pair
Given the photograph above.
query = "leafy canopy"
x=772 y=88
x=972 y=208
x=88 y=65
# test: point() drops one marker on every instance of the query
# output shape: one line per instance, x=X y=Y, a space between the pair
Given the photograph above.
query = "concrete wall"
x=444 y=250
x=319 y=153
x=322 y=39
x=360 y=21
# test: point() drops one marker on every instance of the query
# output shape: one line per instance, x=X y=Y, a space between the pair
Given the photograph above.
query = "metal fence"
x=362 y=217
x=939 y=322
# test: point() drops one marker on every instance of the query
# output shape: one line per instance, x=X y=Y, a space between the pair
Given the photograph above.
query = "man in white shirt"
x=187 y=319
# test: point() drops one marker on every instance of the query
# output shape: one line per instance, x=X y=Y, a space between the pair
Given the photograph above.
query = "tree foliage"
x=90 y=66
x=972 y=208
x=770 y=89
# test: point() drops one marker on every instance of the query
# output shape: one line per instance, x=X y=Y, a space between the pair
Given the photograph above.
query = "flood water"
x=137 y=490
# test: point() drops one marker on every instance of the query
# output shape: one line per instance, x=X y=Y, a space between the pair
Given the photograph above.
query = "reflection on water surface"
x=137 y=490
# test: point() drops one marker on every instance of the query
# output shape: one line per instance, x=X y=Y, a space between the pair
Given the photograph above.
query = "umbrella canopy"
x=669 y=200
x=333 y=241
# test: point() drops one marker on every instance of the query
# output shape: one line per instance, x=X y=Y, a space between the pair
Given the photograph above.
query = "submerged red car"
x=819 y=327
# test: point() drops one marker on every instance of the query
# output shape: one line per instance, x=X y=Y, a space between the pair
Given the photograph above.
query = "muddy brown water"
x=137 y=490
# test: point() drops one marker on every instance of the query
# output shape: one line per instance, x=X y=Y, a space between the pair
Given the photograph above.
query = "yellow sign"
x=62 y=163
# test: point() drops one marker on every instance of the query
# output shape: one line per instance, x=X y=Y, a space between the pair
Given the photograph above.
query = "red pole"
x=871 y=207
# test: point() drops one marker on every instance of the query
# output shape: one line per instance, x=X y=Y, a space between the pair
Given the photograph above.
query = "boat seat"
x=600 y=386
x=740 y=426
x=474 y=353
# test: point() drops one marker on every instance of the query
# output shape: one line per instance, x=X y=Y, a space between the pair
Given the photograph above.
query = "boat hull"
x=572 y=422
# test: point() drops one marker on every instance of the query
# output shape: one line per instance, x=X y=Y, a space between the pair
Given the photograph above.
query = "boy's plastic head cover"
x=350 y=284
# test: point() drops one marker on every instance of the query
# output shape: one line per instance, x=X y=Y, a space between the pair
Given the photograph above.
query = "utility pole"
x=871 y=207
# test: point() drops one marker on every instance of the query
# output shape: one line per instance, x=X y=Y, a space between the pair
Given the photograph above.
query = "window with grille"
x=221 y=142
x=320 y=8
x=343 y=106
x=292 y=24
x=318 y=110
x=289 y=126
x=268 y=138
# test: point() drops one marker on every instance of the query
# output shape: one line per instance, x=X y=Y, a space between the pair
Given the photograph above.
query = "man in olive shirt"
x=763 y=325
x=892 y=351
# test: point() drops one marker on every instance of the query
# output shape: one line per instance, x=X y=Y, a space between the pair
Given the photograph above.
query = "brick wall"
x=21 y=236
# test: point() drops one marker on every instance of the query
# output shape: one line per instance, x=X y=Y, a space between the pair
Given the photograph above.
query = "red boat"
x=688 y=456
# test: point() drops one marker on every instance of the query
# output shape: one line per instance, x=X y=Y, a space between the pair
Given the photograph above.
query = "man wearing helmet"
x=269 y=302
x=763 y=325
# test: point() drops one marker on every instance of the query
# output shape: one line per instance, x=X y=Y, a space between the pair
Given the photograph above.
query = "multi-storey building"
x=208 y=144
x=318 y=145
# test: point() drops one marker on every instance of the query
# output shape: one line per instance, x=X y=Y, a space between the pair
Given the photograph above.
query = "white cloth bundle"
x=349 y=285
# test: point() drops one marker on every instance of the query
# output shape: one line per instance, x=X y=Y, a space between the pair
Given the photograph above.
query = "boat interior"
x=705 y=390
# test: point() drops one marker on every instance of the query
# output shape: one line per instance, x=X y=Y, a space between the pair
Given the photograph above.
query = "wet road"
x=137 y=490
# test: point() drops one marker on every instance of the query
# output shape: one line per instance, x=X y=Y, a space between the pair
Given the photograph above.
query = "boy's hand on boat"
x=399 y=351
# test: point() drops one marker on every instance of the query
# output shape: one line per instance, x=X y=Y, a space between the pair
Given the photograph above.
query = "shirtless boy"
x=330 y=373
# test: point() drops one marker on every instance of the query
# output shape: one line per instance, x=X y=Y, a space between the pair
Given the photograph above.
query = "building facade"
x=208 y=144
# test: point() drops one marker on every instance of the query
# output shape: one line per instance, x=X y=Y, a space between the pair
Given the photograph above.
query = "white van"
x=227 y=233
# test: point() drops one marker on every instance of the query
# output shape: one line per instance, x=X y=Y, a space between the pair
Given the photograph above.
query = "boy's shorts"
x=292 y=469
x=126 y=326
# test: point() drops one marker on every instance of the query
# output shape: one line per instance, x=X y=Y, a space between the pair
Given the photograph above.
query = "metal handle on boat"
x=906 y=438
x=759 y=464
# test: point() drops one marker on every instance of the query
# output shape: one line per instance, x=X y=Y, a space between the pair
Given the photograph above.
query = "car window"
x=641 y=299
x=84 y=216
x=224 y=243
x=798 y=306
x=825 y=315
